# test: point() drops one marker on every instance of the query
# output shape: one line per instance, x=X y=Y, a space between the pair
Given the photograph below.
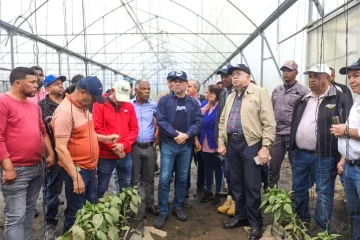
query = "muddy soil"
x=204 y=223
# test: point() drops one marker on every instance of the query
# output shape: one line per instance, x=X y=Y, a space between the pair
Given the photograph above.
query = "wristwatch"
x=267 y=146
x=346 y=132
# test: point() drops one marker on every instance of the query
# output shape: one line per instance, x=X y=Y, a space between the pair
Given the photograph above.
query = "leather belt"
x=353 y=163
x=144 y=145
x=236 y=135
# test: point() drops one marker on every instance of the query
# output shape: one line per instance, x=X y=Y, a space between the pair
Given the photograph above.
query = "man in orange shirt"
x=77 y=145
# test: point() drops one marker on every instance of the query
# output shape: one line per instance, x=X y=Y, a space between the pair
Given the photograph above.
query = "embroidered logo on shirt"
x=180 y=108
x=330 y=106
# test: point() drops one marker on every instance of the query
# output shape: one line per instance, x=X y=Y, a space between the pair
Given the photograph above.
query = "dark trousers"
x=75 y=201
x=54 y=182
x=277 y=152
x=225 y=164
x=200 y=181
x=143 y=168
x=245 y=179
x=265 y=176
x=213 y=165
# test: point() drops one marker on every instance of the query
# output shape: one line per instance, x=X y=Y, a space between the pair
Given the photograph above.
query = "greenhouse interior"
x=134 y=40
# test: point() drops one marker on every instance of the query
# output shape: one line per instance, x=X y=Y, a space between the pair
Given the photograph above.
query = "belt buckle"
x=235 y=135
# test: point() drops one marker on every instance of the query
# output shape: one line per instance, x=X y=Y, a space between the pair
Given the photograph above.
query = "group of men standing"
x=317 y=129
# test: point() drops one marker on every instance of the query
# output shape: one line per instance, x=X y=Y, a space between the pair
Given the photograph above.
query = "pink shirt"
x=38 y=96
x=22 y=131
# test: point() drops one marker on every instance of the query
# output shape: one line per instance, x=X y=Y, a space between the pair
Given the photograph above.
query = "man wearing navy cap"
x=246 y=133
x=77 y=145
x=229 y=205
x=54 y=177
x=179 y=119
x=348 y=135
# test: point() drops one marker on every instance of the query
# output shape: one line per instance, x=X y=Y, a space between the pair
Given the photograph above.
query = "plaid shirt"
x=234 y=122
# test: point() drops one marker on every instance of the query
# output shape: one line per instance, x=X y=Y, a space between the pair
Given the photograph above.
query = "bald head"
x=142 y=90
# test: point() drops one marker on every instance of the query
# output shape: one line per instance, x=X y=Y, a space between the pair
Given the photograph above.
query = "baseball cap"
x=224 y=69
x=170 y=75
x=122 y=90
x=354 y=66
x=52 y=78
x=93 y=86
x=76 y=78
x=290 y=64
x=319 y=68
x=241 y=67
x=180 y=74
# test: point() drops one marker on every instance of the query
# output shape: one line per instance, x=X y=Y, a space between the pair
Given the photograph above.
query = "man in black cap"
x=341 y=87
x=229 y=205
x=246 y=133
x=179 y=119
x=349 y=147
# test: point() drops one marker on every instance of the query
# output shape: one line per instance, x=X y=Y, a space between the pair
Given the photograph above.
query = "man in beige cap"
x=283 y=100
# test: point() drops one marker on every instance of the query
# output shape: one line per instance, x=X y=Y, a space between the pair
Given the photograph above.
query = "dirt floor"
x=204 y=223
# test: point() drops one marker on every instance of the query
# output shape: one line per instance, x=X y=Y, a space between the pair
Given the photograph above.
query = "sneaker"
x=231 y=211
x=206 y=197
x=225 y=207
x=187 y=203
x=216 y=199
x=50 y=233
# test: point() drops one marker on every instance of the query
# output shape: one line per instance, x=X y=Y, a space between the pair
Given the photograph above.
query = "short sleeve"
x=62 y=124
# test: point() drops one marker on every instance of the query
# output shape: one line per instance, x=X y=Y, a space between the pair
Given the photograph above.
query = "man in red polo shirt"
x=22 y=140
x=116 y=116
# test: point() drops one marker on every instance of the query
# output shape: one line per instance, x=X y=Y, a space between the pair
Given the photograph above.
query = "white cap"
x=319 y=68
x=122 y=91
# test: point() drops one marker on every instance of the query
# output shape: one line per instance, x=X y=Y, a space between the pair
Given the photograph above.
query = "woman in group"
x=212 y=162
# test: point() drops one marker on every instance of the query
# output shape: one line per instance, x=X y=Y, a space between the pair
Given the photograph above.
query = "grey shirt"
x=283 y=101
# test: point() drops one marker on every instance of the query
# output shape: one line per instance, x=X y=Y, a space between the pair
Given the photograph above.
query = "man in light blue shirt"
x=144 y=149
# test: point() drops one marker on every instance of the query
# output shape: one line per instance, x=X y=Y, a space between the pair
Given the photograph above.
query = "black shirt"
x=180 y=123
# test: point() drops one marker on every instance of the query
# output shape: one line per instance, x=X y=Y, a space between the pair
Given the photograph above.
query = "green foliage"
x=325 y=236
x=106 y=219
x=278 y=201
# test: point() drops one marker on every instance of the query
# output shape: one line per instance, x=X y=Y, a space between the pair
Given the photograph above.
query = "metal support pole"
x=86 y=68
x=273 y=57
x=310 y=11
x=11 y=34
x=103 y=70
x=59 y=62
x=262 y=60
x=319 y=8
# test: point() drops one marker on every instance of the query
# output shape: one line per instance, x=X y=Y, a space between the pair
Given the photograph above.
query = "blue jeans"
x=352 y=193
x=20 y=201
x=106 y=167
x=226 y=171
x=74 y=201
x=307 y=169
x=54 y=182
x=212 y=163
x=180 y=154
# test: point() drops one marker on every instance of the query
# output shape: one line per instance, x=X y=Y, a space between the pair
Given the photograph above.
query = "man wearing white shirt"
x=349 y=147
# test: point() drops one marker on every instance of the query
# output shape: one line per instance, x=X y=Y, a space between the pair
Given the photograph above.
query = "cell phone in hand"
x=335 y=120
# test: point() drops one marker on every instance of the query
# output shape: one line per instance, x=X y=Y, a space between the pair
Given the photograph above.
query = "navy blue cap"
x=170 y=75
x=93 y=86
x=180 y=74
x=224 y=69
x=50 y=79
x=354 y=66
x=241 y=67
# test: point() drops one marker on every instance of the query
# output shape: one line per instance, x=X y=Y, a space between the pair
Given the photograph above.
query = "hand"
x=264 y=155
x=156 y=142
x=338 y=130
x=113 y=138
x=197 y=145
x=222 y=150
x=8 y=172
x=118 y=147
x=340 y=166
x=78 y=183
x=50 y=160
x=181 y=138
x=120 y=154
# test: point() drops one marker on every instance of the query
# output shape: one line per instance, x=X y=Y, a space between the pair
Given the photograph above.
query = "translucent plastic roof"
x=143 y=39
